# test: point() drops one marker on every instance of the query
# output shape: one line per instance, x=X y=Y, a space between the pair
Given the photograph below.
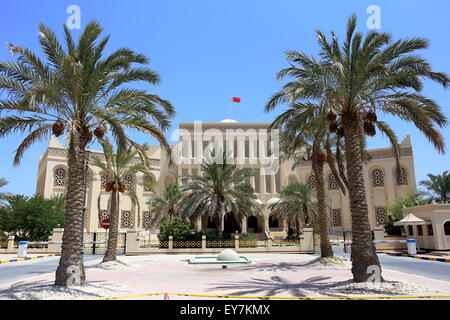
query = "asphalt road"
x=430 y=269
x=13 y=271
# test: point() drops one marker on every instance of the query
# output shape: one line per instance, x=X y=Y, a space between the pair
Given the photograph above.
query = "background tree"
x=79 y=92
x=32 y=218
x=356 y=79
x=395 y=210
x=3 y=195
x=304 y=137
x=221 y=188
x=166 y=207
x=117 y=167
x=437 y=187
x=296 y=204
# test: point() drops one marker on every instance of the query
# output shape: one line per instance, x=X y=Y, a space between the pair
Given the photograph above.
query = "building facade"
x=247 y=144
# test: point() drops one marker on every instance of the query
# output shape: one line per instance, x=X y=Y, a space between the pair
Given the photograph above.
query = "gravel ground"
x=47 y=291
x=386 y=288
x=114 y=265
x=328 y=263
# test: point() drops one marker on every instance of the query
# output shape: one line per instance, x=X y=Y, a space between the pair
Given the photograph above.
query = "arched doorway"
x=211 y=224
x=252 y=224
x=230 y=224
x=273 y=222
x=447 y=228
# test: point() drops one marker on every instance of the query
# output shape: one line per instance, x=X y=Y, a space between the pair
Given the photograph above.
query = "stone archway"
x=230 y=224
x=252 y=224
x=274 y=222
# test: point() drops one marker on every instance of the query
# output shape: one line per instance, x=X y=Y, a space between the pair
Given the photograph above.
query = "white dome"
x=229 y=120
x=228 y=255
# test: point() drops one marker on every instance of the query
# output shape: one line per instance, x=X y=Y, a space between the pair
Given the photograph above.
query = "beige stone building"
x=247 y=143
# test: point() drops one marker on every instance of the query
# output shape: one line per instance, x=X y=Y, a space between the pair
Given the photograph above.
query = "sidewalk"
x=267 y=277
x=12 y=257
x=441 y=256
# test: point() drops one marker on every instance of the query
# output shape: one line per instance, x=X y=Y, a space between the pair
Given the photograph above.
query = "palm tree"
x=438 y=186
x=295 y=204
x=117 y=167
x=166 y=207
x=220 y=189
x=3 y=195
x=79 y=92
x=305 y=138
x=363 y=76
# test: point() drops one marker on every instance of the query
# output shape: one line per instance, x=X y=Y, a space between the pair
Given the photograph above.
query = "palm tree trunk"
x=111 y=249
x=325 y=246
x=363 y=250
x=70 y=270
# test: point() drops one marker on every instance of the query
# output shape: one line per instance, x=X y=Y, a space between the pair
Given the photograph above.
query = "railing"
x=220 y=244
x=38 y=245
x=153 y=244
x=187 y=244
x=3 y=244
x=286 y=243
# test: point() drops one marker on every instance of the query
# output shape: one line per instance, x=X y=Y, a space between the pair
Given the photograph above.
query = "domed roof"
x=229 y=120
x=228 y=255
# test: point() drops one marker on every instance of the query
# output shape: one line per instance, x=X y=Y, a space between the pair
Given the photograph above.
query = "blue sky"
x=208 y=51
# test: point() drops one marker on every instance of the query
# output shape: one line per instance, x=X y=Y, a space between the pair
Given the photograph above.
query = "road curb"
x=416 y=257
x=27 y=258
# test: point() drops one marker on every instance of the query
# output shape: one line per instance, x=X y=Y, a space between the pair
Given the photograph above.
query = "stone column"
x=170 y=242
x=236 y=241
x=10 y=247
x=55 y=246
x=244 y=225
x=132 y=242
x=308 y=243
x=203 y=243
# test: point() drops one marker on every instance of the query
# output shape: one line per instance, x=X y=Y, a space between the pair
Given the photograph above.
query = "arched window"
x=403 y=180
x=128 y=180
x=146 y=219
x=104 y=178
x=377 y=176
x=126 y=219
x=381 y=215
x=332 y=183
x=336 y=217
x=312 y=181
x=59 y=177
x=447 y=228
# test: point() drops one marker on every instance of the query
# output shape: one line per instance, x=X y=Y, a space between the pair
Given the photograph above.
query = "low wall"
x=384 y=242
x=303 y=245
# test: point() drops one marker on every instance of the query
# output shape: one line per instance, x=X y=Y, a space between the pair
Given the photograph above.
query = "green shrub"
x=247 y=240
x=390 y=229
x=247 y=236
x=292 y=236
x=177 y=228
